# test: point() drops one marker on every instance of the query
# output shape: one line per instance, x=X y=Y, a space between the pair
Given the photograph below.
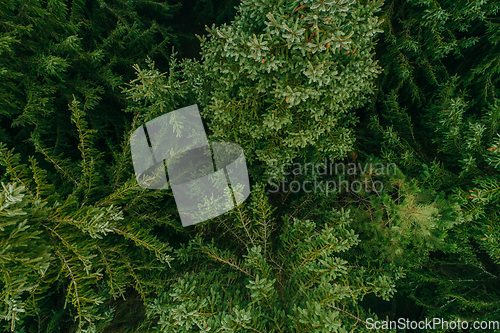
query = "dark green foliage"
x=407 y=83
x=52 y=50
x=437 y=116
x=90 y=244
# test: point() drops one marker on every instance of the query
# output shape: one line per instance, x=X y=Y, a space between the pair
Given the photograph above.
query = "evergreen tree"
x=52 y=50
x=437 y=116
x=78 y=245
x=259 y=280
x=282 y=78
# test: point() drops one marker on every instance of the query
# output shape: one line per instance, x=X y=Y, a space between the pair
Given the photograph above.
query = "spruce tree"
x=52 y=50
x=437 y=116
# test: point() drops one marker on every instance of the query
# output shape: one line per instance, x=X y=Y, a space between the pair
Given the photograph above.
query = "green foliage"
x=90 y=242
x=404 y=222
x=297 y=281
x=83 y=248
x=281 y=79
x=437 y=117
x=52 y=50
